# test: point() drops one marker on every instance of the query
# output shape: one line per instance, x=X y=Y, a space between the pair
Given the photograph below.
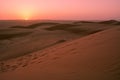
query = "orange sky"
x=60 y=9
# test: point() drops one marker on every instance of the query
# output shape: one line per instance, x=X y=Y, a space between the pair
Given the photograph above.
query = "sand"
x=90 y=57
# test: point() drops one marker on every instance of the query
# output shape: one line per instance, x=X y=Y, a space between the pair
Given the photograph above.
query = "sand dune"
x=109 y=22
x=94 y=57
x=20 y=40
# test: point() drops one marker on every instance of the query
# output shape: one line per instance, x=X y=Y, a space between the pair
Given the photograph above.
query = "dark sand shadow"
x=35 y=25
x=77 y=22
x=61 y=27
x=72 y=29
x=15 y=35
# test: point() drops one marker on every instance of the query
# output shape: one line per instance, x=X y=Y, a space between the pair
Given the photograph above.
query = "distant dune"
x=110 y=22
x=94 y=57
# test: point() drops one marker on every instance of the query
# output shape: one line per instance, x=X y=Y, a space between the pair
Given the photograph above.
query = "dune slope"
x=94 y=57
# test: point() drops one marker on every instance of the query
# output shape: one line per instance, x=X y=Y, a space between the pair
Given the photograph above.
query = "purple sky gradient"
x=60 y=9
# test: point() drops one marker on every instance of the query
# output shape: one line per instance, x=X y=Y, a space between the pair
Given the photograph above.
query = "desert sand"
x=72 y=50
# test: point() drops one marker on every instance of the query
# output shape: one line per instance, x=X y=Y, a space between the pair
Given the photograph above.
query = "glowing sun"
x=26 y=18
x=25 y=14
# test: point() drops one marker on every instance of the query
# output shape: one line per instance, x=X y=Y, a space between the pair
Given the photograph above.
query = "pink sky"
x=60 y=9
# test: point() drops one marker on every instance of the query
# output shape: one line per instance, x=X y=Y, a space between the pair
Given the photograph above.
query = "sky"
x=60 y=9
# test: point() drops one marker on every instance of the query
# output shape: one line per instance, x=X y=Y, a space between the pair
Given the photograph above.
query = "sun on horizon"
x=26 y=18
x=25 y=14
